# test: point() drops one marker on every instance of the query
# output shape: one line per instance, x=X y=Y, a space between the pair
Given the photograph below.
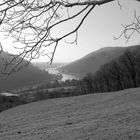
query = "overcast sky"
x=96 y=32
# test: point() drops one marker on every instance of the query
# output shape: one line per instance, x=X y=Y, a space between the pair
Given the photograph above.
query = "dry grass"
x=108 y=116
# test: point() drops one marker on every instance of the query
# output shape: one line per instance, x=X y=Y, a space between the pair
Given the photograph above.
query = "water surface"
x=64 y=76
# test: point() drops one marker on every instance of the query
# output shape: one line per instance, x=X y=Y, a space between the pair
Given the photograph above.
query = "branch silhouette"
x=32 y=23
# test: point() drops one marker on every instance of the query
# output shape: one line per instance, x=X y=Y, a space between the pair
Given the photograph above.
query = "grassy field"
x=106 y=116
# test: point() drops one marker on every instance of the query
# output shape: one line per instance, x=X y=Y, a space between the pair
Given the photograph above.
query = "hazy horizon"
x=36 y=61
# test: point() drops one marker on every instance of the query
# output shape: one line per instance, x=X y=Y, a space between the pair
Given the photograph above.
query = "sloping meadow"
x=108 y=116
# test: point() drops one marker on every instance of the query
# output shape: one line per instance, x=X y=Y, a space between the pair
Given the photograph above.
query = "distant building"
x=8 y=94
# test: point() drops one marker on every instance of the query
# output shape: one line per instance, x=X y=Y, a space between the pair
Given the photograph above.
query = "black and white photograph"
x=69 y=69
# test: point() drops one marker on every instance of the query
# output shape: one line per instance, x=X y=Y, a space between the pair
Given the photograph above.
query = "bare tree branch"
x=32 y=23
x=130 y=29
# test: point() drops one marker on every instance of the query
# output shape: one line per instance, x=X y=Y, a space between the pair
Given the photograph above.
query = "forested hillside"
x=26 y=76
x=92 y=62
x=120 y=73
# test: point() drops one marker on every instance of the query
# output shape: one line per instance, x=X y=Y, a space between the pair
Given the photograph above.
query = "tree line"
x=119 y=74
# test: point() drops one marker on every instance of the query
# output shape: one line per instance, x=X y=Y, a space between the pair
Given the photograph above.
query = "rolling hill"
x=93 y=61
x=104 y=116
x=27 y=76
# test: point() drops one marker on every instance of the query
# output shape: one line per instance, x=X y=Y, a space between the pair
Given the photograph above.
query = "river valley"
x=64 y=76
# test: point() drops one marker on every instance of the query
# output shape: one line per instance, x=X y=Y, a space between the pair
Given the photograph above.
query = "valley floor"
x=106 y=116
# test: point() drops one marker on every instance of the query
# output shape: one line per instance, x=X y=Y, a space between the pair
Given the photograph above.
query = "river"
x=64 y=76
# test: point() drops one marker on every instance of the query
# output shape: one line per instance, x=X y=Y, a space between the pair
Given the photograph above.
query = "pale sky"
x=96 y=32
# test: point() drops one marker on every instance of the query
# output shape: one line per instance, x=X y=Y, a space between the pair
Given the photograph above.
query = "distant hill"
x=93 y=61
x=45 y=65
x=27 y=76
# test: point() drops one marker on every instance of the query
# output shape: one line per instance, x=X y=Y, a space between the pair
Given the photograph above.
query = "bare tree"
x=131 y=28
x=117 y=73
x=88 y=80
x=31 y=22
x=129 y=61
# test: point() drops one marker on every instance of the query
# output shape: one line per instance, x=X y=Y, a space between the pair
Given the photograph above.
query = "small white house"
x=8 y=94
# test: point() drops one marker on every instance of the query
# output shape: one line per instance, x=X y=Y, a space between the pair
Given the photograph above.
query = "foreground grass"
x=106 y=116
